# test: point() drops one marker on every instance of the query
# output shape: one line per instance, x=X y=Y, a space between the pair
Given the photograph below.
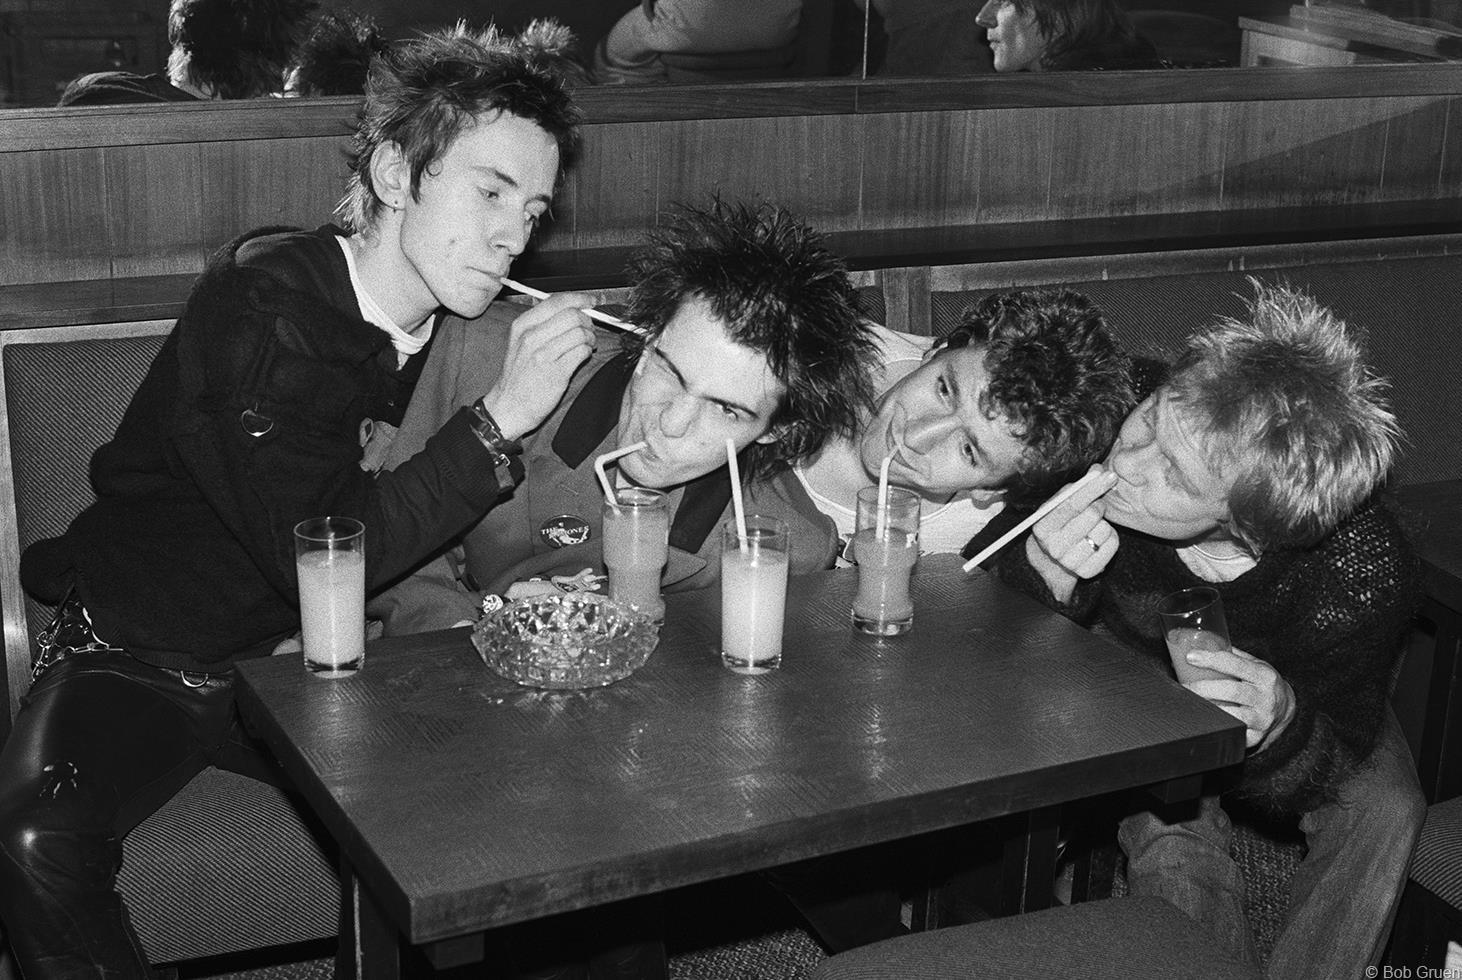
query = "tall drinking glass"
x=329 y=555
x=636 y=542
x=885 y=561
x=1193 y=620
x=753 y=594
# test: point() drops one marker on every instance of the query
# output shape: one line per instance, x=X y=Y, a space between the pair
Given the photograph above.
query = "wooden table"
x=462 y=802
x=1433 y=512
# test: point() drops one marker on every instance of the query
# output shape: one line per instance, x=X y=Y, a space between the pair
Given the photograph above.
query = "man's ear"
x=391 y=175
x=770 y=436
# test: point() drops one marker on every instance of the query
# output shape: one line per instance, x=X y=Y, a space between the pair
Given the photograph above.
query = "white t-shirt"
x=943 y=528
x=406 y=344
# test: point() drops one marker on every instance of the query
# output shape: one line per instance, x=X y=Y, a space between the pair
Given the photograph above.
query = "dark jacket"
x=248 y=421
x=122 y=87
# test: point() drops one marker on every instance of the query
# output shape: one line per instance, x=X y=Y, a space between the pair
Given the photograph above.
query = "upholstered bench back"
x=230 y=864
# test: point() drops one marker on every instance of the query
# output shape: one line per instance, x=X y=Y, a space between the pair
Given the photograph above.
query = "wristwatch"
x=504 y=451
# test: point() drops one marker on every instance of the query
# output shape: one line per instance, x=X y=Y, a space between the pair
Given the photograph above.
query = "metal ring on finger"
x=1094 y=546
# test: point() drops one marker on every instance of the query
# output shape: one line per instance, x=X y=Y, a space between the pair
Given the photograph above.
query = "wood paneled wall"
x=122 y=211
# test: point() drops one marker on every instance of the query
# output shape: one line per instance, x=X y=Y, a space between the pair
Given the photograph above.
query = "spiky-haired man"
x=752 y=335
x=295 y=352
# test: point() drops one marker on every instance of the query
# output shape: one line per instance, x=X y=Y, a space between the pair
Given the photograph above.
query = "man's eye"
x=941 y=386
x=730 y=413
x=969 y=454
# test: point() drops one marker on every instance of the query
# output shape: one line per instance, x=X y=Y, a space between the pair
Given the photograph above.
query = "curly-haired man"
x=1026 y=392
x=291 y=349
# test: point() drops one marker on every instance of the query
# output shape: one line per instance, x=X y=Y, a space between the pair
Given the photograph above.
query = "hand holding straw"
x=593 y=314
x=880 y=525
x=1041 y=511
x=599 y=463
x=736 y=503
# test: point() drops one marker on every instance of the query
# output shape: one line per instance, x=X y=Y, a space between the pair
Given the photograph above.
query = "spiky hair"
x=336 y=57
x=238 y=49
x=424 y=92
x=777 y=289
x=1289 y=408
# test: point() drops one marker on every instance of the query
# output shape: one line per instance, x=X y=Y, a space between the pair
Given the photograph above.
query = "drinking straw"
x=593 y=314
x=1041 y=511
x=600 y=461
x=736 y=503
x=880 y=522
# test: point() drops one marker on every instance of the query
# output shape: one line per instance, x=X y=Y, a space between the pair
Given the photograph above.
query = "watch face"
x=564 y=530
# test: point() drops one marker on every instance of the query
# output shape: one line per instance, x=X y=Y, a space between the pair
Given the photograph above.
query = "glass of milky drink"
x=636 y=542
x=753 y=594
x=1193 y=620
x=329 y=555
x=885 y=546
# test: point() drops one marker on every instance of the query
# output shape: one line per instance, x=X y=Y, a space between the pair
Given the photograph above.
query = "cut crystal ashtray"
x=565 y=641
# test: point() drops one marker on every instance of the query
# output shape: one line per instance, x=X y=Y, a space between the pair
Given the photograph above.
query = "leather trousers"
x=101 y=742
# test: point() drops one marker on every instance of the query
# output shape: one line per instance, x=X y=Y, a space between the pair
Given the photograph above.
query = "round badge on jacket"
x=564 y=530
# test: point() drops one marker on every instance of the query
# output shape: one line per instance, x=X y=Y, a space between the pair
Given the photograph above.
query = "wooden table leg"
x=370 y=947
x=1028 y=872
x=1000 y=867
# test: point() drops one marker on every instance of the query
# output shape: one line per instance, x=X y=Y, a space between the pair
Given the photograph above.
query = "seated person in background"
x=1063 y=35
x=1252 y=471
x=630 y=52
x=220 y=49
x=335 y=57
x=1025 y=393
x=751 y=334
x=290 y=348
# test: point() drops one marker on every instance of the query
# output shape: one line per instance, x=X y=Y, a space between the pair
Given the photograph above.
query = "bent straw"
x=736 y=504
x=1041 y=511
x=593 y=314
x=600 y=461
x=880 y=522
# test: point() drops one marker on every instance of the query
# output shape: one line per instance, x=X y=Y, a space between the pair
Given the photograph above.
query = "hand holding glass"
x=636 y=542
x=753 y=594
x=885 y=549
x=329 y=554
x=1193 y=620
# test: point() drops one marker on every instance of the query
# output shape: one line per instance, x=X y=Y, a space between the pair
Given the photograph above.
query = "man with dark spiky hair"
x=294 y=357
x=751 y=334
x=220 y=49
x=336 y=57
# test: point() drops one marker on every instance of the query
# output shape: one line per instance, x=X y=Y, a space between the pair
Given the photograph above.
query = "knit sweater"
x=1328 y=618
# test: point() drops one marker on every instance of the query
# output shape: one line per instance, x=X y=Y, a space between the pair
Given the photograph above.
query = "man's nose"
x=677 y=416
x=988 y=15
x=923 y=434
x=1127 y=463
x=511 y=236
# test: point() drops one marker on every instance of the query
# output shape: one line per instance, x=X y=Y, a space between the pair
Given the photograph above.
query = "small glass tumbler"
x=1193 y=619
x=329 y=555
x=885 y=550
x=753 y=594
x=636 y=545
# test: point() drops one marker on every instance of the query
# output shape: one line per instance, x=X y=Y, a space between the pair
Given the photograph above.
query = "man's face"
x=1165 y=485
x=1016 y=43
x=941 y=440
x=693 y=389
x=478 y=206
